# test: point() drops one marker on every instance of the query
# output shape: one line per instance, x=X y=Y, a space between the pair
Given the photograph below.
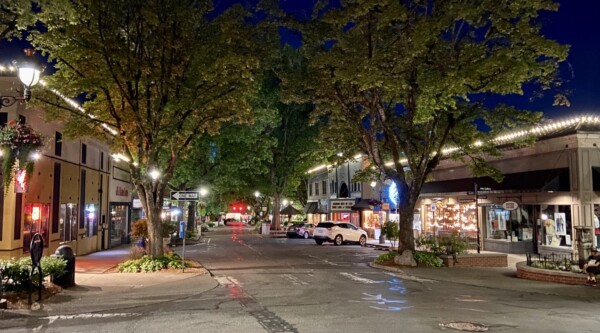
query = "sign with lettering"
x=185 y=195
x=510 y=205
x=342 y=205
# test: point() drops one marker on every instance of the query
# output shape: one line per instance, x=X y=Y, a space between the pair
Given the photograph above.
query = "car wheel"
x=319 y=242
x=362 y=241
x=305 y=235
x=338 y=240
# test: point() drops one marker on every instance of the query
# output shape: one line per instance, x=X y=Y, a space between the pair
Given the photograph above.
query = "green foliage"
x=385 y=257
x=14 y=274
x=191 y=235
x=452 y=243
x=427 y=258
x=168 y=228
x=419 y=77
x=204 y=228
x=210 y=225
x=150 y=264
x=390 y=230
x=18 y=142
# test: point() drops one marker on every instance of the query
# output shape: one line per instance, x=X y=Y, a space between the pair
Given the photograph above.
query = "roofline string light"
x=537 y=130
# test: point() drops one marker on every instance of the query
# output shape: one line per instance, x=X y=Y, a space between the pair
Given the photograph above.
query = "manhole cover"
x=465 y=326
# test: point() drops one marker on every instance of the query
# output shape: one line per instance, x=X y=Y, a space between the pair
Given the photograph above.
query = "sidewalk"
x=102 y=261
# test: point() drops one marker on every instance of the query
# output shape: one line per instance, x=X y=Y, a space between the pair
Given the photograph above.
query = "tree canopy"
x=157 y=73
x=412 y=78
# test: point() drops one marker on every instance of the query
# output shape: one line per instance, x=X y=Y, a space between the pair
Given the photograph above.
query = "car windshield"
x=325 y=225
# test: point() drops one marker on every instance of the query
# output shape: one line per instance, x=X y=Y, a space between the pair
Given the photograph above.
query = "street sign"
x=185 y=195
x=182 y=229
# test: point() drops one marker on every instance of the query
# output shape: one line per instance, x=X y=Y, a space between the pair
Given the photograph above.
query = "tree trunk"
x=152 y=204
x=276 y=216
x=406 y=209
x=191 y=220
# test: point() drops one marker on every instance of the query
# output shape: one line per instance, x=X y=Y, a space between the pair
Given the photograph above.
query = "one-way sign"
x=185 y=195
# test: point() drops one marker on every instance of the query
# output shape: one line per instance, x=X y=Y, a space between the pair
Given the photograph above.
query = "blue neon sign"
x=393 y=193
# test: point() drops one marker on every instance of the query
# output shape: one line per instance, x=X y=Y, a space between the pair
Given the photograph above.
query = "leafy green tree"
x=293 y=131
x=14 y=17
x=158 y=73
x=408 y=79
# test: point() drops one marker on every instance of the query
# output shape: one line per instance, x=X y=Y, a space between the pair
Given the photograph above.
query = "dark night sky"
x=576 y=23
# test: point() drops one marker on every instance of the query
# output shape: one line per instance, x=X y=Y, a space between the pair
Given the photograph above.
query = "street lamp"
x=154 y=174
x=29 y=74
x=257 y=194
x=203 y=192
x=285 y=202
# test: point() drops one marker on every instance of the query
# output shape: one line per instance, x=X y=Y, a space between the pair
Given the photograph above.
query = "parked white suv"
x=339 y=233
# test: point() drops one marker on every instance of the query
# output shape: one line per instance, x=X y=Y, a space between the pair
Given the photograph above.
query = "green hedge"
x=14 y=273
x=150 y=264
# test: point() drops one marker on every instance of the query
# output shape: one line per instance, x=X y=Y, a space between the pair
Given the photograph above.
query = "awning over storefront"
x=531 y=181
x=367 y=204
x=311 y=208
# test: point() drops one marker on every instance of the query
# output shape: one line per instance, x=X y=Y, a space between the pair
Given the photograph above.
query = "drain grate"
x=465 y=326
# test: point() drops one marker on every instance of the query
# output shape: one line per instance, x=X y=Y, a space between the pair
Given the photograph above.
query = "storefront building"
x=120 y=203
x=548 y=201
x=66 y=197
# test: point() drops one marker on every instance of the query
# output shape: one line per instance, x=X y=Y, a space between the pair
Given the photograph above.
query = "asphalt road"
x=294 y=285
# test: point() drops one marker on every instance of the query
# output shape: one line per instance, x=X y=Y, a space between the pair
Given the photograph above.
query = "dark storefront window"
x=67 y=223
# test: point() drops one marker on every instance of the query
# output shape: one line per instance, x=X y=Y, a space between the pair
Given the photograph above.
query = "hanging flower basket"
x=18 y=142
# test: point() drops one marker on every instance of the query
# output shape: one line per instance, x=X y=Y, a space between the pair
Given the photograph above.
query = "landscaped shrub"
x=390 y=230
x=210 y=225
x=203 y=228
x=385 y=257
x=452 y=243
x=150 y=264
x=139 y=229
x=428 y=259
x=14 y=273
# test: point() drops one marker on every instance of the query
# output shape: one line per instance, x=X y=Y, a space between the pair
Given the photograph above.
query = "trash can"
x=68 y=279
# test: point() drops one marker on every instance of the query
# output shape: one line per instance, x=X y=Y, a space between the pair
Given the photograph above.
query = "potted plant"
x=139 y=231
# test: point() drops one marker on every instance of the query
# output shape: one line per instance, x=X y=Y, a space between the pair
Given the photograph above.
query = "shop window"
x=58 y=144
x=597 y=225
x=83 y=153
x=119 y=229
x=316 y=188
x=91 y=221
x=310 y=189
x=36 y=220
x=324 y=186
x=556 y=225
x=440 y=216
x=67 y=222
x=509 y=225
x=101 y=160
x=22 y=119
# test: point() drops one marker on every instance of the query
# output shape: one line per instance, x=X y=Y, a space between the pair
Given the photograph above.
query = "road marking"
x=227 y=281
x=52 y=319
x=357 y=278
x=295 y=280
x=389 y=304
x=405 y=276
x=208 y=241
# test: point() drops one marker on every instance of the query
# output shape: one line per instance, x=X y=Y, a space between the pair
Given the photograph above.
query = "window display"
x=36 y=217
x=119 y=224
x=509 y=225
x=443 y=217
x=67 y=222
x=556 y=225
x=91 y=220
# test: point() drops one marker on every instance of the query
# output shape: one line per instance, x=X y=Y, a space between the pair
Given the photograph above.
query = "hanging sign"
x=510 y=205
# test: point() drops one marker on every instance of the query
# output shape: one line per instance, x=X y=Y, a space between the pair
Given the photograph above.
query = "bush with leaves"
x=390 y=230
x=14 y=273
x=453 y=243
x=382 y=258
x=150 y=264
x=139 y=229
x=427 y=258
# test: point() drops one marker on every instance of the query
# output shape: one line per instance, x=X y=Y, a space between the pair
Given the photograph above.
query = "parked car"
x=339 y=233
x=303 y=230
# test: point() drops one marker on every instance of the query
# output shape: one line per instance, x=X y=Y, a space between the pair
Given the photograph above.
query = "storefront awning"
x=531 y=181
x=311 y=208
x=367 y=205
